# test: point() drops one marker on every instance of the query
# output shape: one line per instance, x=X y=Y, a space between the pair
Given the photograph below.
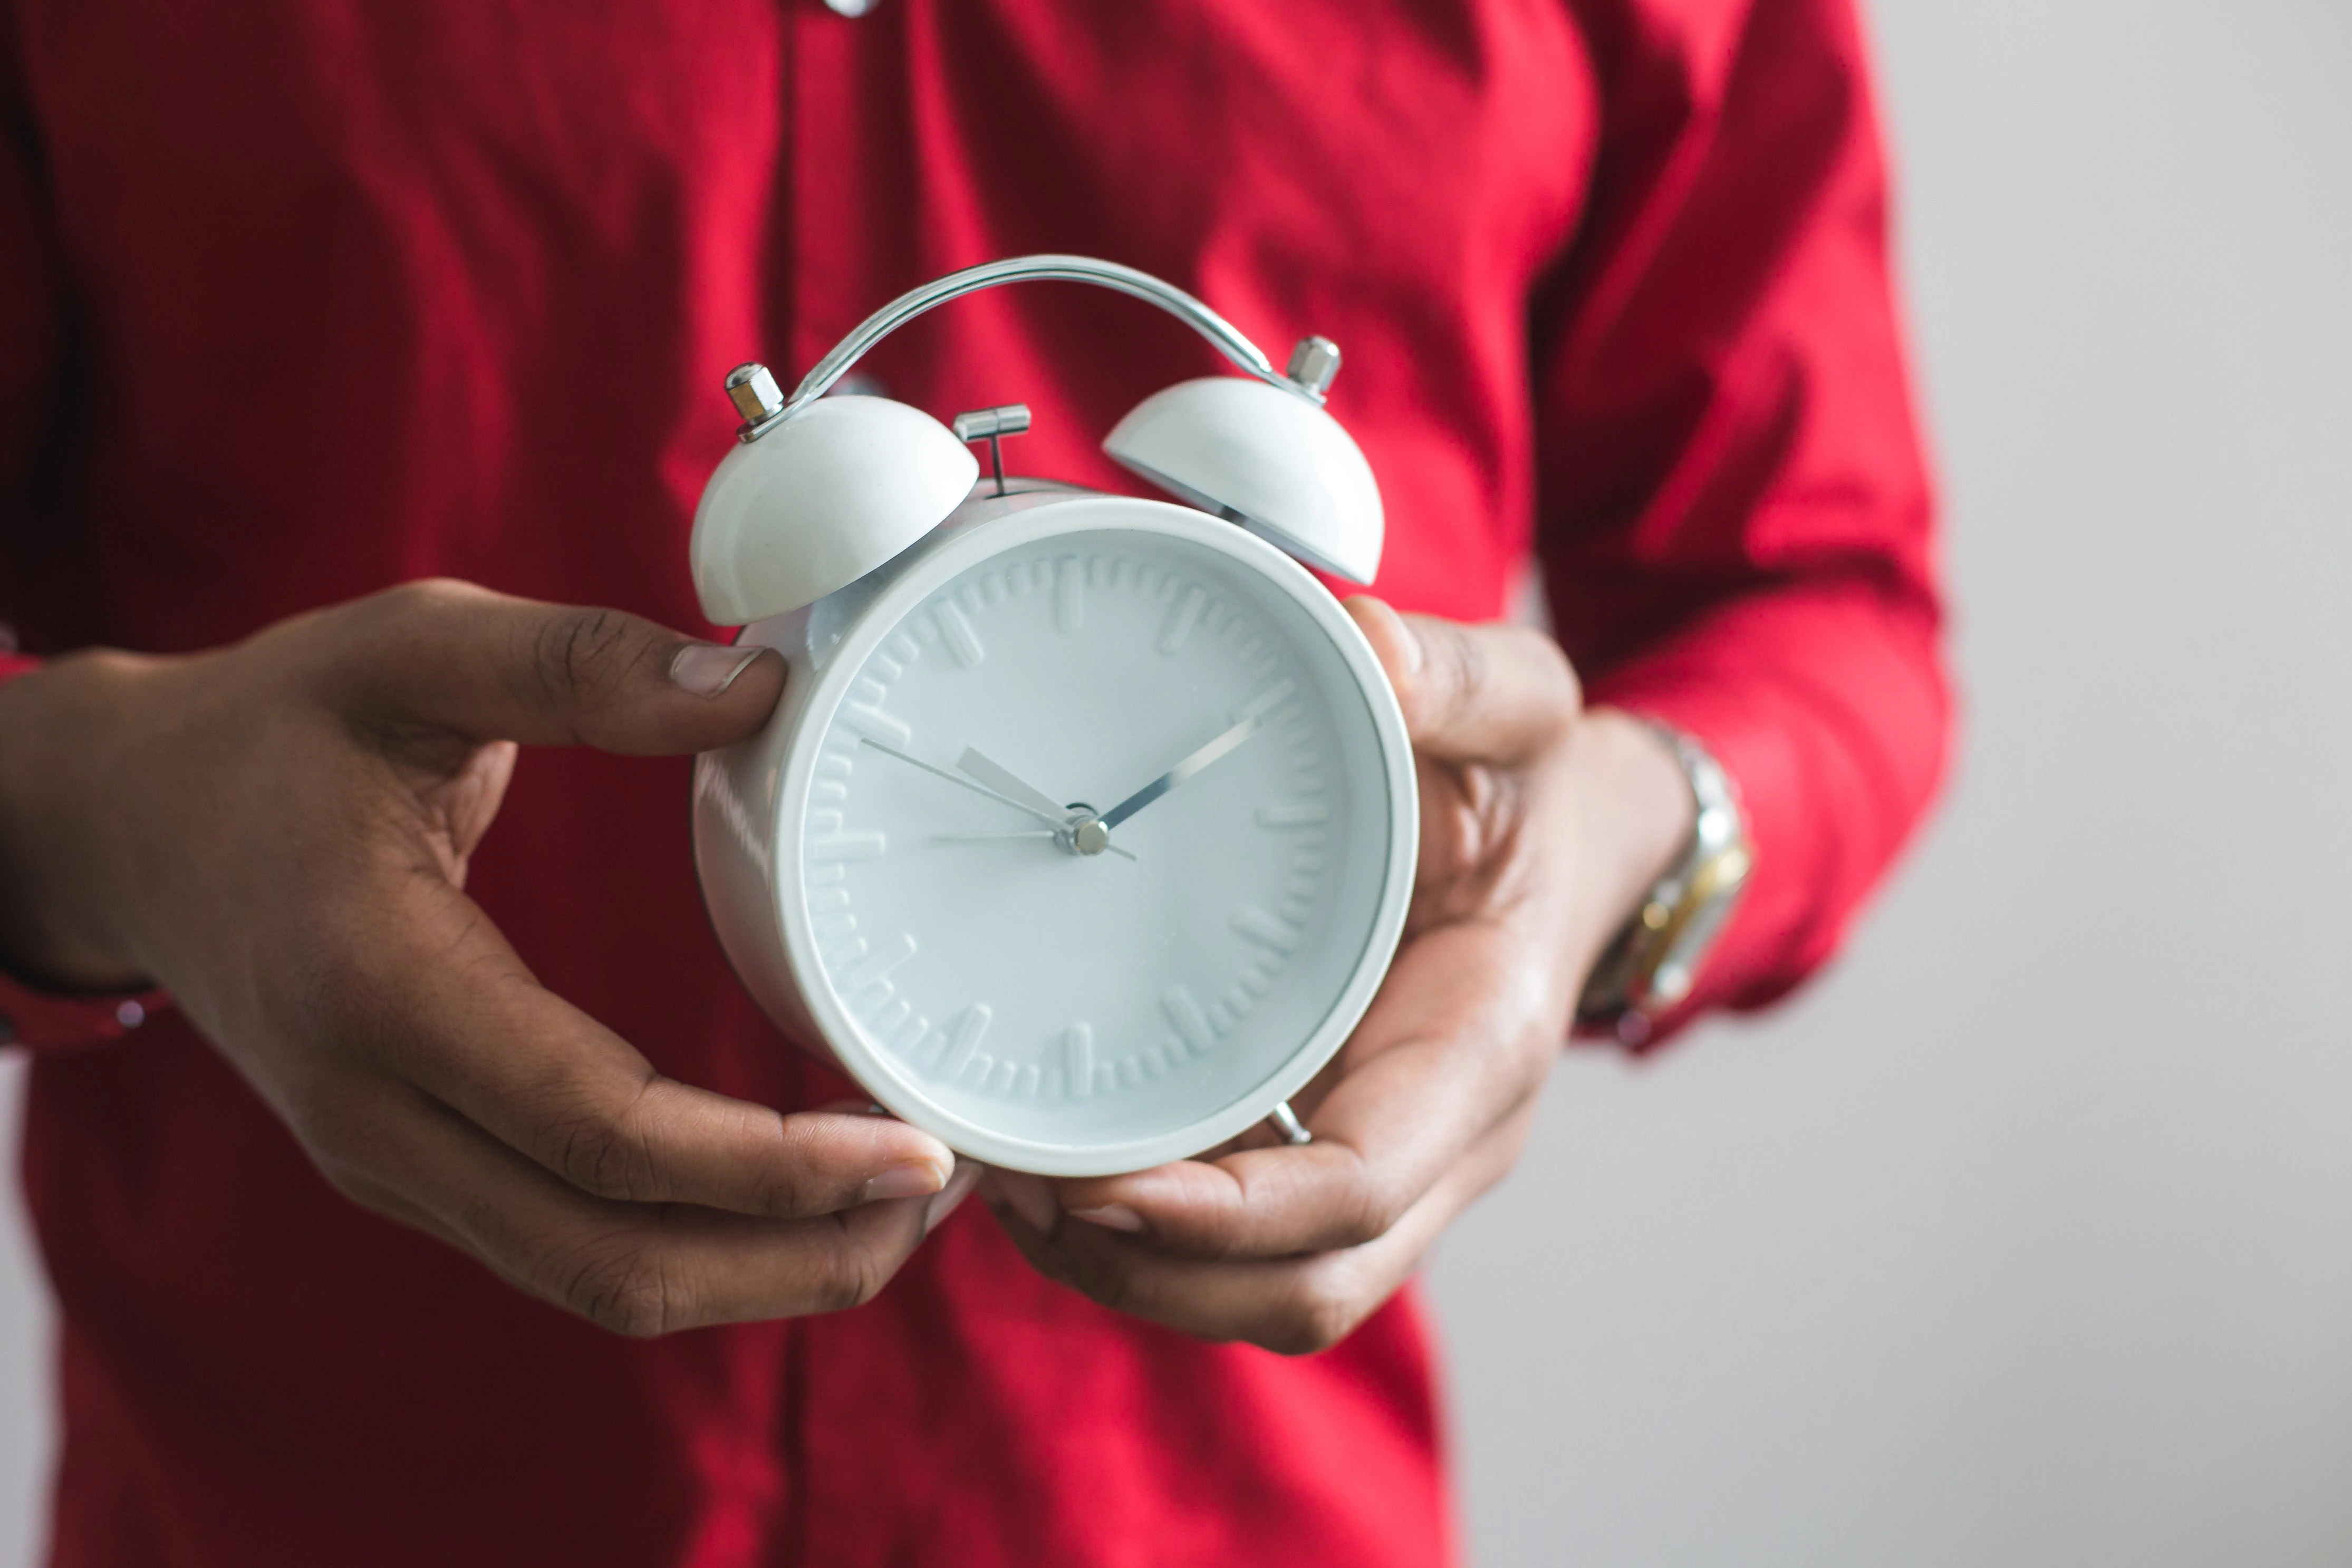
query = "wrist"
x=61 y=836
x=1634 y=816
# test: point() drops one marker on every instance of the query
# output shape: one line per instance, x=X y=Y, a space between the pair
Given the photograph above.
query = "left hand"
x=1542 y=824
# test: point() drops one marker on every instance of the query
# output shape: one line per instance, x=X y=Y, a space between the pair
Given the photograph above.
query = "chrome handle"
x=1218 y=331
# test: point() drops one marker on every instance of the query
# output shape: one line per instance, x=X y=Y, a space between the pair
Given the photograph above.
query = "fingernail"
x=1116 y=1216
x=913 y=1179
x=1408 y=640
x=707 y=669
x=1032 y=1198
x=958 y=1187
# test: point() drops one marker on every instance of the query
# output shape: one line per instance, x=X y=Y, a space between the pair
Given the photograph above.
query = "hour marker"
x=1292 y=814
x=962 y=640
x=1189 y=1020
x=1260 y=926
x=870 y=720
x=882 y=960
x=965 y=1042
x=1180 y=621
x=1078 y=1055
x=1070 y=595
x=1266 y=700
x=913 y=1034
x=862 y=844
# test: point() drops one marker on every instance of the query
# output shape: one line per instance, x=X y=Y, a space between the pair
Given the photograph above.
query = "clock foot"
x=1285 y=1121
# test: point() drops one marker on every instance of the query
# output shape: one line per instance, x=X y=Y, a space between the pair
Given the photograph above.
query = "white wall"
x=2026 y=1237
x=26 y=1428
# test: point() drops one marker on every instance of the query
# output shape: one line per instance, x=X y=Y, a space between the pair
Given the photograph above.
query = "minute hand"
x=1182 y=770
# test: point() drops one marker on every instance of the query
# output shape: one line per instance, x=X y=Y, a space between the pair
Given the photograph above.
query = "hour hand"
x=1054 y=818
x=1079 y=831
x=997 y=778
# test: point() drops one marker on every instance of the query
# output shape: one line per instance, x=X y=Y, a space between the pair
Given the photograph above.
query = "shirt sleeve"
x=32 y=333
x=1735 y=519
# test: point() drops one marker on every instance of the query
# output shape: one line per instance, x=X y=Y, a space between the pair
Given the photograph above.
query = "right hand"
x=277 y=832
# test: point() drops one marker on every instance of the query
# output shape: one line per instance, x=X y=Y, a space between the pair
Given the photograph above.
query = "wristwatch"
x=1650 y=965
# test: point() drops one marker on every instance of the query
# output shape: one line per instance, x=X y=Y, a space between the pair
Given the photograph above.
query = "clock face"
x=1099 y=839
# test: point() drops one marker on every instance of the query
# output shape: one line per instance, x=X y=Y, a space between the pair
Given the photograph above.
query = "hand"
x=278 y=833
x=1541 y=827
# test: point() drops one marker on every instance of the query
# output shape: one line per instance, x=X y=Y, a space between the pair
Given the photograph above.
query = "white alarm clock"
x=1085 y=830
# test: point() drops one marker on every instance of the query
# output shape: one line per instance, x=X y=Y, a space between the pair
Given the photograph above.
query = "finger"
x=492 y=667
x=438 y=999
x=462 y=806
x=1471 y=694
x=637 y=1268
x=1446 y=1054
x=1295 y=1306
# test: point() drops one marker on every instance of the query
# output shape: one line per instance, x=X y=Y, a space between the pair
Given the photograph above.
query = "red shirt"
x=301 y=297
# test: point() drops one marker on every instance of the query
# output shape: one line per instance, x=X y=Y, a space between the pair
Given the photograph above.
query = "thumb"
x=1490 y=692
x=492 y=667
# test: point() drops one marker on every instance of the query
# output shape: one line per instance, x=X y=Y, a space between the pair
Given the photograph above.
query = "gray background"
x=2024 y=1237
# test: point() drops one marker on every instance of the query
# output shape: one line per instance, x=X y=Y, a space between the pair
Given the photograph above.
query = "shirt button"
x=851 y=8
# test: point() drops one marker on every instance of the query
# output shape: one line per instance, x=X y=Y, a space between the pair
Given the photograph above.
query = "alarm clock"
x=1085 y=830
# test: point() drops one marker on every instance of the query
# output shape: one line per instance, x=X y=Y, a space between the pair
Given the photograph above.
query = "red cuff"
x=30 y=1016
x=1826 y=705
x=53 y=1020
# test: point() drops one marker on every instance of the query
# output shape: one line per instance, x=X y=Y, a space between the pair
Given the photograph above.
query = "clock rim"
x=957 y=548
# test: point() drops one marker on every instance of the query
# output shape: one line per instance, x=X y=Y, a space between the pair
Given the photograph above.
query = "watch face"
x=1097 y=841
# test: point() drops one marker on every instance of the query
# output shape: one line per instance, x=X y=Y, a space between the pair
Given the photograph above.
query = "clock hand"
x=1184 y=770
x=973 y=838
x=1060 y=819
x=1001 y=779
x=1081 y=831
x=1056 y=819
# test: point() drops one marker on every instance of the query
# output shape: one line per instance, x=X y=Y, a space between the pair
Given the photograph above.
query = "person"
x=357 y=379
